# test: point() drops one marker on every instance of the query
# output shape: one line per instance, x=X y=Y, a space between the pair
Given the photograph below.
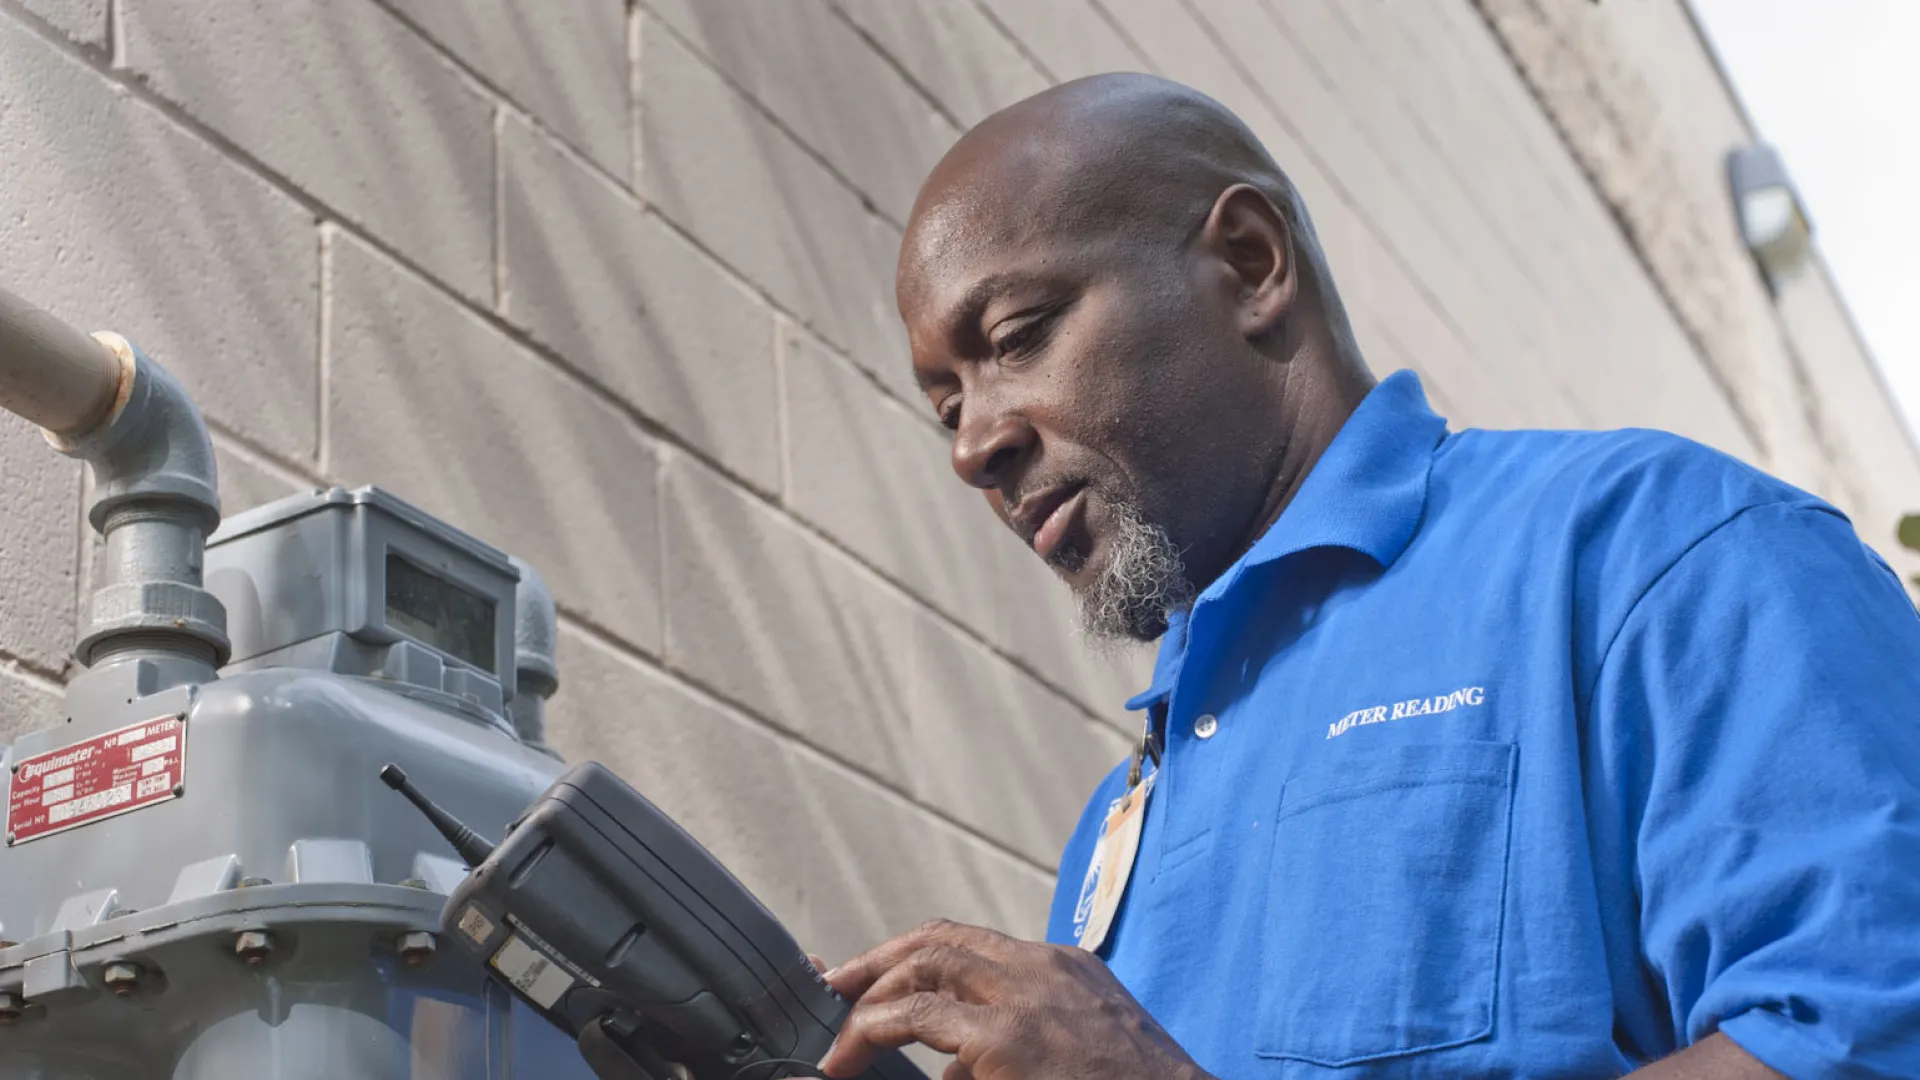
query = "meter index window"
x=440 y=614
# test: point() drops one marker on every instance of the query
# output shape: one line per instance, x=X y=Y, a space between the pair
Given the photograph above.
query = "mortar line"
x=31 y=673
x=499 y=230
x=1019 y=46
x=652 y=428
x=871 y=204
x=713 y=697
x=486 y=86
x=717 y=262
x=323 y=366
x=925 y=92
x=250 y=452
x=1100 y=9
x=116 y=34
x=82 y=556
x=635 y=161
x=782 y=356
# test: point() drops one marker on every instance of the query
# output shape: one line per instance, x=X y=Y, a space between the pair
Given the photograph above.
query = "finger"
x=960 y=973
x=956 y=1071
x=818 y=964
x=853 y=978
x=934 y=1020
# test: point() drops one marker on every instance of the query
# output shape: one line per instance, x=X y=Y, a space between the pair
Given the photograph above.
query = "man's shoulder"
x=1654 y=479
x=1615 y=509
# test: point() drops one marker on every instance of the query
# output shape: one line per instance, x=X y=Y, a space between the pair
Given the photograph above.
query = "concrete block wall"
x=610 y=287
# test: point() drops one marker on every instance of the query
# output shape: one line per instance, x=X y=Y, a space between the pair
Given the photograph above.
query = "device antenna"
x=470 y=845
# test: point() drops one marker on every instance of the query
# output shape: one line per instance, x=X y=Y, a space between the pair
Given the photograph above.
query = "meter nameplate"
x=123 y=770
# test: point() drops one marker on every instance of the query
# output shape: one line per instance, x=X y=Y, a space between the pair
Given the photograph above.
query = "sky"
x=1835 y=86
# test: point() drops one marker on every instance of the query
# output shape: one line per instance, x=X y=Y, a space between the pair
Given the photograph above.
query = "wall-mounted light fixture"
x=1773 y=222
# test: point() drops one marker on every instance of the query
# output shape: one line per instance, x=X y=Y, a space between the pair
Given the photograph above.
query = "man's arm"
x=1020 y=1010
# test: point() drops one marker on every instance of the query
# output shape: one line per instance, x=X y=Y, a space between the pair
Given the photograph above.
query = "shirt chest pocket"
x=1387 y=892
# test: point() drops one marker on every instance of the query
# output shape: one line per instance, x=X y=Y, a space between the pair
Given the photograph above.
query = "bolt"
x=122 y=979
x=417 y=947
x=254 y=882
x=253 y=946
x=10 y=1007
x=415 y=883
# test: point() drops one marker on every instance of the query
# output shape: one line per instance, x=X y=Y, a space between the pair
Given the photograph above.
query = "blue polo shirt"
x=1539 y=754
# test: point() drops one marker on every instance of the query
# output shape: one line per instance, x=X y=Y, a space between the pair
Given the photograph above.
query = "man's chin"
x=1075 y=566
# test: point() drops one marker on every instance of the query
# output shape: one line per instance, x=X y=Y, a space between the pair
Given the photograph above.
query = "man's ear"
x=1251 y=237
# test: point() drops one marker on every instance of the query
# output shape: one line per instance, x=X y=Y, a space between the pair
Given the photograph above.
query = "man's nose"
x=985 y=451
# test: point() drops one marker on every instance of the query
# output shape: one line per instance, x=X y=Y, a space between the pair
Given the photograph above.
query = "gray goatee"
x=1143 y=582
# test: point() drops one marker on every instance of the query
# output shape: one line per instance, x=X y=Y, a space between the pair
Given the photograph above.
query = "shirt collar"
x=1366 y=493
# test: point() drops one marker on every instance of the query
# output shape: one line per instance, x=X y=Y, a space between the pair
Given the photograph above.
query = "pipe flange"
x=168 y=607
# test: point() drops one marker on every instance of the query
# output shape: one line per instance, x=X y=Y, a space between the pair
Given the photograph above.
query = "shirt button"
x=1205 y=725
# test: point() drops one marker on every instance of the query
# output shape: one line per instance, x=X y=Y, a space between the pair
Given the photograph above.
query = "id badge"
x=1112 y=863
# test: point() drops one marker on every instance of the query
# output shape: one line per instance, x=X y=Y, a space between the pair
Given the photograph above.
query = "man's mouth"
x=1044 y=522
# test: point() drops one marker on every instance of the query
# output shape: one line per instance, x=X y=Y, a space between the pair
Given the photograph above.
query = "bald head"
x=1116 y=304
x=1123 y=158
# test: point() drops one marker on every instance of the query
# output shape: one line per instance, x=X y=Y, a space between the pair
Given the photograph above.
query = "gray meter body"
x=362 y=583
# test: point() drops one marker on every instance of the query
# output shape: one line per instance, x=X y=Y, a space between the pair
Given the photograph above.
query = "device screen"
x=440 y=614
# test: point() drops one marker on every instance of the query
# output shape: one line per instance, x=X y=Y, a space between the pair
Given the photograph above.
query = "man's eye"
x=1023 y=337
x=950 y=414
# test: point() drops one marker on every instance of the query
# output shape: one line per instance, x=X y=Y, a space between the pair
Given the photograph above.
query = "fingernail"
x=828 y=974
x=822 y=1063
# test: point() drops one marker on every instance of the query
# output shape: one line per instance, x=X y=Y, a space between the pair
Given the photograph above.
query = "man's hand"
x=1005 y=1009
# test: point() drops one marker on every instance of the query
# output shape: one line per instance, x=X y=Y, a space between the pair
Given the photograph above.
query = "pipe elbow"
x=152 y=446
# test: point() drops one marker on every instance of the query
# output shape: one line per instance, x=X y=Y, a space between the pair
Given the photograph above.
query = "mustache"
x=1015 y=496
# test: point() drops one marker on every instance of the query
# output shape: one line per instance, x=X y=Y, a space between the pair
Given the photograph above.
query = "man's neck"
x=1319 y=407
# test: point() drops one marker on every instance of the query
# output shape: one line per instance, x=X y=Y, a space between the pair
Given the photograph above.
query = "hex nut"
x=122 y=978
x=253 y=946
x=417 y=947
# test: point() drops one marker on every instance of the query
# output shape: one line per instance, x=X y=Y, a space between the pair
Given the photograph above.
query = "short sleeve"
x=1761 y=702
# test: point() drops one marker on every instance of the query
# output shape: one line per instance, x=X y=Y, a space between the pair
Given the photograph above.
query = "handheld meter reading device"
x=606 y=917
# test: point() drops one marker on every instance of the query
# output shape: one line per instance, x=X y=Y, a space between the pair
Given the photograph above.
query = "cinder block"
x=912 y=518
x=954 y=51
x=610 y=287
x=877 y=477
x=1070 y=37
x=84 y=21
x=25 y=705
x=809 y=68
x=842 y=862
x=427 y=399
x=747 y=192
x=346 y=103
x=38 y=536
x=766 y=615
x=244 y=483
x=998 y=750
x=1036 y=620
x=563 y=61
x=112 y=217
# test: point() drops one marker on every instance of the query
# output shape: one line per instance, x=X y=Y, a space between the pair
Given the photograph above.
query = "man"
x=1472 y=754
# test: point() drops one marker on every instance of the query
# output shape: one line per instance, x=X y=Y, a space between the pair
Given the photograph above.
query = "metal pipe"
x=155 y=498
x=56 y=376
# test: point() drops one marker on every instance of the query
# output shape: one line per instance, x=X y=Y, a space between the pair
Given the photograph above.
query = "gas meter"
x=202 y=878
